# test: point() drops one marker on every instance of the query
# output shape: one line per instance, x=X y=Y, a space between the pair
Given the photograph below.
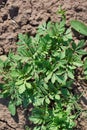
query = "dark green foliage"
x=42 y=73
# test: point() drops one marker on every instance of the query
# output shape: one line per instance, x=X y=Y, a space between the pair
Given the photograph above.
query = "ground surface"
x=20 y=16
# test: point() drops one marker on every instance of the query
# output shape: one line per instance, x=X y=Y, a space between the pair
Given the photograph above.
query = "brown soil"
x=21 y=16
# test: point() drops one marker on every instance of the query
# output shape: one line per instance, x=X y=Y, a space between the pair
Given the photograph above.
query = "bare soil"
x=24 y=16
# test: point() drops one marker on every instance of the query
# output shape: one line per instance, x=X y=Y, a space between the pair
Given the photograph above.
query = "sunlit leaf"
x=12 y=108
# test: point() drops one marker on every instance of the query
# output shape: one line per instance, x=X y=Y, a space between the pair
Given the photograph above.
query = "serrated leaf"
x=81 y=52
x=42 y=29
x=62 y=23
x=21 y=38
x=80 y=45
x=68 y=35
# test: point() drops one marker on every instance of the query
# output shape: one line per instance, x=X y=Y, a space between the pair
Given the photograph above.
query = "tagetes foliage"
x=42 y=73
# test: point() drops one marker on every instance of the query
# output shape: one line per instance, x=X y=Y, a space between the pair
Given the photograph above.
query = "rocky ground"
x=21 y=16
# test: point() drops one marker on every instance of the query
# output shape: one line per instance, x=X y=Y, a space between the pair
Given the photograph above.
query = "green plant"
x=79 y=27
x=85 y=69
x=42 y=74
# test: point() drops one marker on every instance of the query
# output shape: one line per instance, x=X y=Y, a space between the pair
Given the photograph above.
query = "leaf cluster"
x=42 y=74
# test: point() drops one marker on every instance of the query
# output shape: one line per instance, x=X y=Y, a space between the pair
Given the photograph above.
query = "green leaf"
x=24 y=39
x=85 y=64
x=60 y=79
x=57 y=97
x=79 y=27
x=80 y=45
x=62 y=55
x=78 y=64
x=81 y=52
x=74 y=46
x=51 y=97
x=35 y=119
x=67 y=35
x=65 y=77
x=42 y=29
x=47 y=100
x=14 y=74
x=28 y=85
x=53 y=79
x=38 y=101
x=19 y=82
x=48 y=76
x=70 y=74
x=69 y=53
x=22 y=88
x=85 y=72
x=16 y=57
x=1 y=65
x=41 y=74
x=12 y=108
x=65 y=92
x=36 y=128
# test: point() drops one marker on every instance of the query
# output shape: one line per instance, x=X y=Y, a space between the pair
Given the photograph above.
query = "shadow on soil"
x=3 y=1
